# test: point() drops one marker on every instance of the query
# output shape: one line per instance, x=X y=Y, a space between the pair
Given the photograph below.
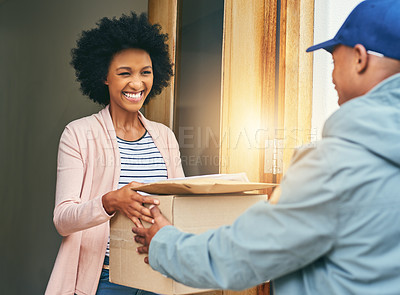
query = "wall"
x=329 y=16
x=38 y=97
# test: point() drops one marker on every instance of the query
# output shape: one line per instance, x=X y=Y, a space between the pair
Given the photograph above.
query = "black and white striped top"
x=141 y=161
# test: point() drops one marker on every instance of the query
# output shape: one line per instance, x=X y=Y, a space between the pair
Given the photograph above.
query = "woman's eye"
x=123 y=74
x=146 y=73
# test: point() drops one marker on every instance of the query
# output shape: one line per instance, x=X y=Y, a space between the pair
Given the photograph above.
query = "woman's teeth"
x=133 y=95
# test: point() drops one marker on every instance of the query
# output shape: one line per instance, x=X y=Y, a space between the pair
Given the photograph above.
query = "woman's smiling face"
x=129 y=79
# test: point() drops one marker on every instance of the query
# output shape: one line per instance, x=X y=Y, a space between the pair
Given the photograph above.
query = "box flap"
x=201 y=186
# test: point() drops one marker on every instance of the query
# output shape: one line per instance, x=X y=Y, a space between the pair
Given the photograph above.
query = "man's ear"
x=361 y=57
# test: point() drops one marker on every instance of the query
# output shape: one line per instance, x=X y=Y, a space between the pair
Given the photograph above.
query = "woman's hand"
x=130 y=203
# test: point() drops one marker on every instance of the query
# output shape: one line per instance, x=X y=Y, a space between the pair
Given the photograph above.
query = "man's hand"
x=145 y=235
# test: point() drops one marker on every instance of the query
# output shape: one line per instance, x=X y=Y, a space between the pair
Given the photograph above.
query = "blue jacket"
x=336 y=227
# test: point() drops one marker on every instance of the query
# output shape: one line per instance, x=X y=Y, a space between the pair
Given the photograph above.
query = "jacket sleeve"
x=265 y=242
x=175 y=156
x=70 y=213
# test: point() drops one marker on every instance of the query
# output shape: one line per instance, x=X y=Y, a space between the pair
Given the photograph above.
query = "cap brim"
x=327 y=45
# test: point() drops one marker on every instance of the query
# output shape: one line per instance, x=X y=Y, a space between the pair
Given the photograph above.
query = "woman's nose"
x=135 y=82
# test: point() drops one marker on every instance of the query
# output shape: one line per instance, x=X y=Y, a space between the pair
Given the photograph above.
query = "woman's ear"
x=106 y=82
x=361 y=56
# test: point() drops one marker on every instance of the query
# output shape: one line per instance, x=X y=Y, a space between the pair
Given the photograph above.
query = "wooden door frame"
x=167 y=14
x=295 y=78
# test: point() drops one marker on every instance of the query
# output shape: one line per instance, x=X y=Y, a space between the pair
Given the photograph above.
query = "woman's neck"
x=127 y=125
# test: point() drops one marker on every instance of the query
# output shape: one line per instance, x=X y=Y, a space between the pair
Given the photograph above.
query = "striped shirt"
x=141 y=161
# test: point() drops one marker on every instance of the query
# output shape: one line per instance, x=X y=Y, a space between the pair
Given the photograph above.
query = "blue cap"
x=375 y=24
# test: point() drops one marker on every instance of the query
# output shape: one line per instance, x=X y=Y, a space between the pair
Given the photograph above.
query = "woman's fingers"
x=139 y=197
x=132 y=204
x=139 y=213
x=136 y=221
x=138 y=210
x=135 y=183
x=148 y=200
x=147 y=219
x=137 y=218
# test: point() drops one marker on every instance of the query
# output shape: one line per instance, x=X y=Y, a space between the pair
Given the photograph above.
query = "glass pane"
x=198 y=102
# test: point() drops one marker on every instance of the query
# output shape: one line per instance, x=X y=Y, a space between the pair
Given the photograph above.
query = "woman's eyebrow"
x=124 y=68
x=129 y=68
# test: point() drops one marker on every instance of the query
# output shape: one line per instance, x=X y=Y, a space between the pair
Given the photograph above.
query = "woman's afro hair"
x=96 y=48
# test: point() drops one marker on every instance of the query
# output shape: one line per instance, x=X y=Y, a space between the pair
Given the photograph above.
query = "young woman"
x=120 y=64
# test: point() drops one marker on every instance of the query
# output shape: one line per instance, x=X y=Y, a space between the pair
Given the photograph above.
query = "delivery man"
x=336 y=226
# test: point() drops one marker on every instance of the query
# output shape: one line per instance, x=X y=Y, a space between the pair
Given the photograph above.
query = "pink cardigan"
x=88 y=168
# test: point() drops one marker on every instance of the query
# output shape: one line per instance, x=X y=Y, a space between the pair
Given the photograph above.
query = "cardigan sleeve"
x=175 y=156
x=70 y=213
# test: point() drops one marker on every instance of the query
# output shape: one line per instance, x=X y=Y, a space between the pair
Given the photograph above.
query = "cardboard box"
x=189 y=213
